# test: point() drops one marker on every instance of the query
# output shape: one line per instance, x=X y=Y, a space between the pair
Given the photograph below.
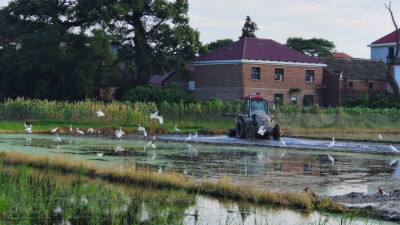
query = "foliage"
x=214 y=45
x=380 y=100
x=312 y=47
x=249 y=28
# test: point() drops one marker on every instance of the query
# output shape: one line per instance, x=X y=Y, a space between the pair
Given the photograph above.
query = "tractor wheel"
x=250 y=134
x=240 y=131
x=277 y=132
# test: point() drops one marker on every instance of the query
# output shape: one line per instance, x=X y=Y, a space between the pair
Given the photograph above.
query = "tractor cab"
x=255 y=104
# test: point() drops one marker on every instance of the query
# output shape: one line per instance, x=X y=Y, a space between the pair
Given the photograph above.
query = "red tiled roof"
x=256 y=49
x=387 y=39
x=341 y=55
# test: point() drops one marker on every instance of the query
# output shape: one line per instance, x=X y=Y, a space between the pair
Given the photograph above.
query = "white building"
x=384 y=49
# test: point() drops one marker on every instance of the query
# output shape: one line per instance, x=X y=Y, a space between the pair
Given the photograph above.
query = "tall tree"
x=158 y=31
x=390 y=72
x=249 y=28
x=313 y=47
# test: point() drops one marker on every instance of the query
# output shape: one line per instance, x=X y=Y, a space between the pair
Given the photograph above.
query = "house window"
x=278 y=99
x=191 y=85
x=308 y=100
x=310 y=76
x=350 y=84
x=390 y=52
x=255 y=73
x=293 y=99
x=370 y=85
x=279 y=74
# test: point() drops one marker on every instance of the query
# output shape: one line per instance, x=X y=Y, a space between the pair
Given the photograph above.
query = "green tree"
x=215 y=45
x=249 y=28
x=158 y=33
x=312 y=47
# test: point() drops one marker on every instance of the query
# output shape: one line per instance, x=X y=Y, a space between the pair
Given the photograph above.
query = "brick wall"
x=338 y=89
x=294 y=78
x=221 y=81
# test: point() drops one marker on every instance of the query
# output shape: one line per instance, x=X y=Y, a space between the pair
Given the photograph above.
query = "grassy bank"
x=174 y=181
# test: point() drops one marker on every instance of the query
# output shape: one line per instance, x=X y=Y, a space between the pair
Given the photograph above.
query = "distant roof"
x=386 y=39
x=341 y=55
x=356 y=69
x=256 y=49
x=158 y=79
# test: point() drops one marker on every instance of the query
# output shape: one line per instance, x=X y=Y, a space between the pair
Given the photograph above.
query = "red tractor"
x=255 y=121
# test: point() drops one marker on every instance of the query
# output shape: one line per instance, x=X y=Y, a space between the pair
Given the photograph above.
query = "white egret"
x=195 y=135
x=190 y=137
x=99 y=114
x=152 y=115
x=144 y=133
x=149 y=143
x=393 y=161
x=58 y=139
x=283 y=154
x=261 y=130
x=382 y=192
x=99 y=154
x=380 y=136
x=393 y=148
x=118 y=134
x=79 y=131
x=159 y=118
x=54 y=130
x=29 y=129
x=176 y=128
x=70 y=128
x=331 y=159
x=141 y=128
x=160 y=170
x=90 y=130
x=120 y=130
x=26 y=126
x=332 y=143
x=283 y=143
x=118 y=149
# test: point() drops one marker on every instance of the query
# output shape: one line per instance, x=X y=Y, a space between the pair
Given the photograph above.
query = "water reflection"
x=270 y=168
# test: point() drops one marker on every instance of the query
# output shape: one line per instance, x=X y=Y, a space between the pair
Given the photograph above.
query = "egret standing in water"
x=176 y=128
x=79 y=131
x=380 y=136
x=393 y=148
x=195 y=135
x=283 y=143
x=332 y=143
x=331 y=159
x=58 y=139
x=190 y=137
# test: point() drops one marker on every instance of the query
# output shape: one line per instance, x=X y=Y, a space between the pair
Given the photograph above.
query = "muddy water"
x=266 y=164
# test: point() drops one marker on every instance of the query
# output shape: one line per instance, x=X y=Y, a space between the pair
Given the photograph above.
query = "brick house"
x=258 y=65
x=350 y=78
x=181 y=79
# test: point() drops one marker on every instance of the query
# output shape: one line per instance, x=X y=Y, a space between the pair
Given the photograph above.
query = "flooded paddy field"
x=357 y=167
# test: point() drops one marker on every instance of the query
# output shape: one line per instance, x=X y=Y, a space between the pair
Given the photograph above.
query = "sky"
x=350 y=24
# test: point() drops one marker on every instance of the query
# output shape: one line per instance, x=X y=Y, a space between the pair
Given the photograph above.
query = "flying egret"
x=331 y=159
x=29 y=129
x=149 y=143
x=54 y=130
x=393 y=161
x=118 y=134
x=283 y=143
x=90 y=130
x=152 y=115
x=195 y=135
x=58 y=139
x=99 y=154
x=261 y=130
x=332 y=143
x=99 y=114
x=380 y=136
x=159 y=118
x=190 y=137
x=79 y=131
x=176 y=128
x=393 y=148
